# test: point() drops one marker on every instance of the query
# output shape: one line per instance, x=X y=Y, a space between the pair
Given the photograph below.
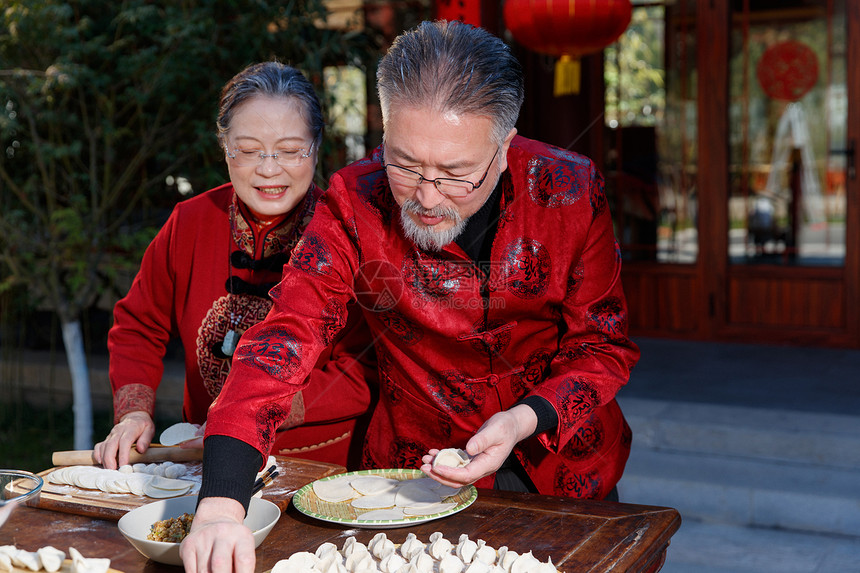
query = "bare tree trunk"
x=82 y=398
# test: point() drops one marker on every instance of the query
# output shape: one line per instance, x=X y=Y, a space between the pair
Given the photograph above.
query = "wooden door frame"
x=852 y=182
x=712 y=175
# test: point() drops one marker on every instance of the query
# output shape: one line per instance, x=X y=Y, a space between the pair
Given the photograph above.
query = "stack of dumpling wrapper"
x=439 y=555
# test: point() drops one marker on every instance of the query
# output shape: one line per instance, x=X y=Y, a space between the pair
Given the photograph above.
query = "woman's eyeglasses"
x=243 y=157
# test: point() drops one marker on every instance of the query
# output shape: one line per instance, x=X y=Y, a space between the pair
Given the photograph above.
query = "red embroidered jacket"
x=182 y=291
x=553 y=324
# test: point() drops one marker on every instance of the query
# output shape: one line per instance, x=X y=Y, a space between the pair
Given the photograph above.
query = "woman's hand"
x=135 y=427
x=219 y=542
x=489 y=447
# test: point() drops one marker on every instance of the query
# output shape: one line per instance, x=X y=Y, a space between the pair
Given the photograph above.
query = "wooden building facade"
x=736 y=202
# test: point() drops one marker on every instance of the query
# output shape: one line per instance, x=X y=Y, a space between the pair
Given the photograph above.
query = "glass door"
x=787 y=133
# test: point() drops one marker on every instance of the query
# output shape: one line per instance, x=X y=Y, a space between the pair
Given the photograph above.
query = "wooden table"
x=578 y=535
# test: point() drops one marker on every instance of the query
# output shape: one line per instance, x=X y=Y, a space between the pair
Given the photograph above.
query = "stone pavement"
x=757 y=446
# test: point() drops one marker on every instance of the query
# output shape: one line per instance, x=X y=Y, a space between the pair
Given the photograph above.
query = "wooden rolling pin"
x=153 y=454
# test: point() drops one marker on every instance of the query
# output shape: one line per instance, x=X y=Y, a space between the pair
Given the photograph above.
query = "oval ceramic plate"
x=343 y=513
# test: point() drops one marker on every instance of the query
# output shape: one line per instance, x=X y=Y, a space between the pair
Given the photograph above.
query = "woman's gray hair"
x=270 y=79
x=452 y=66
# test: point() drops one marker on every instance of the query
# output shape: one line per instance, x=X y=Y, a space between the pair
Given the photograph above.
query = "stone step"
x=744 y=432
x=745 y=492
x=700 y=547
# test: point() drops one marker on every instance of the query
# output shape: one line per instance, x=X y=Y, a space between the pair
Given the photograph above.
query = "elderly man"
x=488 y=272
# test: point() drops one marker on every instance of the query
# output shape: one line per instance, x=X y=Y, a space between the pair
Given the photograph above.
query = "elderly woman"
x=206 y=277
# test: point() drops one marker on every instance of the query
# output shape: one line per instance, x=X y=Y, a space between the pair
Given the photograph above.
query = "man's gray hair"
x=452 y=66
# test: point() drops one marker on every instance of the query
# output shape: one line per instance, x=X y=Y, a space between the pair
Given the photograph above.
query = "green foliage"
x=101 y=100
x=634 y=73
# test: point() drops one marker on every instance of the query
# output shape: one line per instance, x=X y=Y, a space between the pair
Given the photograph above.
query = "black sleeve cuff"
x=229 y=469
x=547 y=418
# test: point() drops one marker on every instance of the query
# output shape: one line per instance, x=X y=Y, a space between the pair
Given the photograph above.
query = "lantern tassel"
x=567 y=76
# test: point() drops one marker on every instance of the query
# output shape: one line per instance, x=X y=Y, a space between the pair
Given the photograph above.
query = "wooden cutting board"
x=293 y=474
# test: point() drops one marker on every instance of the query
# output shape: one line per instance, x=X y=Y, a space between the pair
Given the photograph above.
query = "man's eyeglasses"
x=284 y=157
x=445 y=185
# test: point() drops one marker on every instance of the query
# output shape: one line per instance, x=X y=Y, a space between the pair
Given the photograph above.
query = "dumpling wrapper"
x=299 y=562
x=382 y=515
x=156 y=493
x=178 y=433
x=428 y=508
x=335 y=490
x=161 y=487
x=170 y=484
x=84 y=476
x=372 y=485
x=374 y=501
x=446 y=490
x=413 y=493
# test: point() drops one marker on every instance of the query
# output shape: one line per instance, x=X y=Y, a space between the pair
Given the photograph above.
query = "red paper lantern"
x=567 y=29
x=788 y=70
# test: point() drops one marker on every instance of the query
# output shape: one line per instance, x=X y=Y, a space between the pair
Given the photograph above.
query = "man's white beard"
x=426 y=237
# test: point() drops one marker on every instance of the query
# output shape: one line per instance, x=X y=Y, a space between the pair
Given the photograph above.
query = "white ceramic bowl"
x=134 y=525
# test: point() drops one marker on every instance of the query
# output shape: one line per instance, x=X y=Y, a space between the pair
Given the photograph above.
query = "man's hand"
x=218 y=542
x=135 y=427
x=489 y=447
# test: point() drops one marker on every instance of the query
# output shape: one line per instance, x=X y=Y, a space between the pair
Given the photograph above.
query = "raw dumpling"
x=439 y=546
x=81 y=564
x=359 y=561
x=466 y=549
x=524 y=563
x=547 y=567
x=51 y=558
x=26 y=560
x=452 y=457
x=423 y=562
x=174 y=471
x=391 y=562
x=300 y=562
x=411 y=546
x=477 y=567
x=450 y=564
x=325 y=549
x=485 y=553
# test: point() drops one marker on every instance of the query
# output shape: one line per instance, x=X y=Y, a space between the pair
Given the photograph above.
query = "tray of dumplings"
x=382 y=498
x=51 y=560
x=437 y=555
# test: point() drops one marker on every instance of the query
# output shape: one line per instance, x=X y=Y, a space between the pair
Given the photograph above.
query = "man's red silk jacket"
x=553 y=324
